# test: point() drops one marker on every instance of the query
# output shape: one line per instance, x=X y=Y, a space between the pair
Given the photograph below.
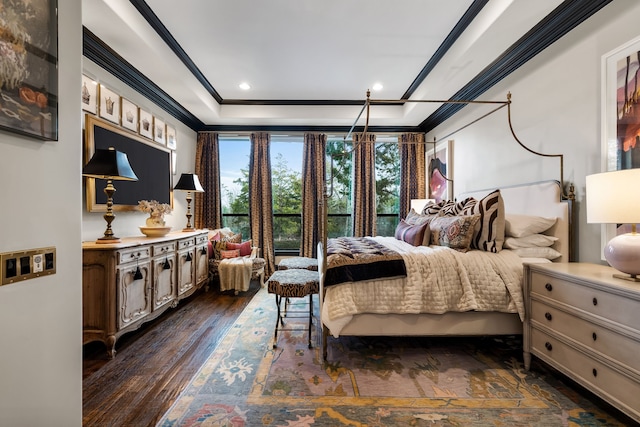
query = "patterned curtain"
x=364 y=185
x=260 y=199
x=413 y=172
x=207 y=205
x=313 y=174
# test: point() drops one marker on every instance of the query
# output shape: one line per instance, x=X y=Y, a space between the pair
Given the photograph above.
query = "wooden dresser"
x=586 y=324
x=128 y=283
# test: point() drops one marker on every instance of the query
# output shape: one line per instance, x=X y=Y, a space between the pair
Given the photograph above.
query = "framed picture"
x=145 y=125
x=29 y=72
x=109 y=105
x=129 y=115
x=620 y=122
x=440 y=171
x=89 y=95
x=159 y=131
x=171 y=137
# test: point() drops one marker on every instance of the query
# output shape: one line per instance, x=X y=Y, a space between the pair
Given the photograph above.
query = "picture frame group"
x=102 y=101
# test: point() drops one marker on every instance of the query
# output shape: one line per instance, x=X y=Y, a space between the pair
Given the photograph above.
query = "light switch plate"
x=27 y=264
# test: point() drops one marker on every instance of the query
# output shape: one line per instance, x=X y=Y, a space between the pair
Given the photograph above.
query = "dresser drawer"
x=607 y=305
x=619 y=389
x=164 y=248
x=201 y=239
x=622 y=348
x=134 y=254
x=186 y=243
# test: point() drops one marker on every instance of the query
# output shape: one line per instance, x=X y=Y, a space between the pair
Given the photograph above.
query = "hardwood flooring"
x=155 y=363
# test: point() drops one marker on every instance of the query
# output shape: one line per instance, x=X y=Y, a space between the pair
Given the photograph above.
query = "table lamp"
x=614 y=198
x=189 y=182
x=109 y=165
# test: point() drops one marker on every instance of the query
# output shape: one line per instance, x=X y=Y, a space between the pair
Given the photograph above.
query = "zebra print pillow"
x=489 y=233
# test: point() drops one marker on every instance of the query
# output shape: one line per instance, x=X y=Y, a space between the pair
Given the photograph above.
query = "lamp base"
x=188 y=229
x=623 y=253
x=630 y=278
x=104 y=240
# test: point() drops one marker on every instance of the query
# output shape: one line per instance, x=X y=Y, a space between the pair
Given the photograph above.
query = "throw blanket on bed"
x=353 y=259
x=438 y=280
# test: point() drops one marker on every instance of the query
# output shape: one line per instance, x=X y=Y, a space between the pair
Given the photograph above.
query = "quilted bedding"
x=438 y=280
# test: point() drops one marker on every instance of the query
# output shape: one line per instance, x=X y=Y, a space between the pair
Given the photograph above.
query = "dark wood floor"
x=156 y=362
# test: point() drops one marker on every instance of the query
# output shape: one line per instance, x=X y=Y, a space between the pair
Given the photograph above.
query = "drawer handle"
x=548 y=346
x=595 y=301
x=548 y=316
x=595 y=372
x=594 y=336
x=548 y=287
x=204 y=251
x=189 y=257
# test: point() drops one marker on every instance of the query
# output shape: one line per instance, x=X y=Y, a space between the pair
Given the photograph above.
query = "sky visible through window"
x=234 y=156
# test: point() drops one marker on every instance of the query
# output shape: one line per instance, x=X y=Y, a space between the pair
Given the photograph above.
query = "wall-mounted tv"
x=150 y=162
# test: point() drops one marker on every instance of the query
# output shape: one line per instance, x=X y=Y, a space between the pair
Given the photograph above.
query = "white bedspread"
x=438 y=280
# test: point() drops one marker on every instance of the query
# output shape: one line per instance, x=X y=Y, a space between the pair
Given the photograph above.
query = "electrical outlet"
x=27 y=264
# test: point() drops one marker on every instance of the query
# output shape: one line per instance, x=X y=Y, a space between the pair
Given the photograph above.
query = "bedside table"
x=586 y=324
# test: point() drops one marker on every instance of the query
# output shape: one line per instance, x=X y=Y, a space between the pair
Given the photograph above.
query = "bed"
x=358 y=307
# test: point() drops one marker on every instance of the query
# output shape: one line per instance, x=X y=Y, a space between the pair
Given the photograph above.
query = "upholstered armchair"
x=223 y=244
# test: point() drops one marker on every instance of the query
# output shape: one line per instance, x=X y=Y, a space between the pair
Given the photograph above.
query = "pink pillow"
x=244 y=247
x=230 y=254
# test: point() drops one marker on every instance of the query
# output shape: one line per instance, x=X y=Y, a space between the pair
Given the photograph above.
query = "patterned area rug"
x=373 y=382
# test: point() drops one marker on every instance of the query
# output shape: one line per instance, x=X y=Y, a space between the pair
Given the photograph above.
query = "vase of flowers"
x=156 y=211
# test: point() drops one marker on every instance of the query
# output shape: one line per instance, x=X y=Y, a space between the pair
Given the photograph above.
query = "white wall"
x=127 y=223
x=555 y=110
x=40 y=319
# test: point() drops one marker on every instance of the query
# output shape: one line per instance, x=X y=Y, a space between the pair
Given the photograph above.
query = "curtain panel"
x=413 y=169
x=260 y=198
x=364 y=185
x=313 y=209
x=207 y=205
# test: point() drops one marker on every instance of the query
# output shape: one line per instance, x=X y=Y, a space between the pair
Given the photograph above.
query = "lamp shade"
x=614 y=197
x=111 y=164
x=189 y=182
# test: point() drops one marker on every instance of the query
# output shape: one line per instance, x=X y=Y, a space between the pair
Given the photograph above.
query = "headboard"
x=542 y=198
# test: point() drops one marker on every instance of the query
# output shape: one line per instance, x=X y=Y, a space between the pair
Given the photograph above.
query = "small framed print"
x=171 y=137
x=129 y=115
x=89 y=95
x=109 y=105
x=145 y=125
x=159 y=131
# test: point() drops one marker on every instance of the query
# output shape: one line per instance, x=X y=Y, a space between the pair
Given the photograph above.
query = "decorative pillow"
x=433 y=208
x=412 y=234
x=489 y=233
x=229 y=254
x=217 y=246
x=244 y=247
x=233 y=238
x=526 y=225
x=533 y=240
x=453 y=231
x=539 y=252
x=458 y=208
x=414 y=218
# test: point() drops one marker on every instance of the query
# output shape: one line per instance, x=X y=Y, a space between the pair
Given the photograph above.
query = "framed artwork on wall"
x=29 y=72
x=89 y=95
x=440 y=170
x=171 y=137
x=159 y=131
x=145 y=125
x=109 y=105
x=129 y=115
x=620 y=122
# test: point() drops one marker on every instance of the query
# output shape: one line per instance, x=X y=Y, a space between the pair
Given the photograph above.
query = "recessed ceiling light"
x=244 y=86
x=377 y=87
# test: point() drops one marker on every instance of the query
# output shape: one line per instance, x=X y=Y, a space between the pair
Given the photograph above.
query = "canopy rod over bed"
x=501 y=104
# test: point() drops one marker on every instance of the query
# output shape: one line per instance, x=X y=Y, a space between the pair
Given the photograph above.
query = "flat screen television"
x=150 y=161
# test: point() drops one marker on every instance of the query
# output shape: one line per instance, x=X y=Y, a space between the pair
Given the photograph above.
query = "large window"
x=339 y=164
x=286 y=186
x=234 y=182
x=387 y=187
